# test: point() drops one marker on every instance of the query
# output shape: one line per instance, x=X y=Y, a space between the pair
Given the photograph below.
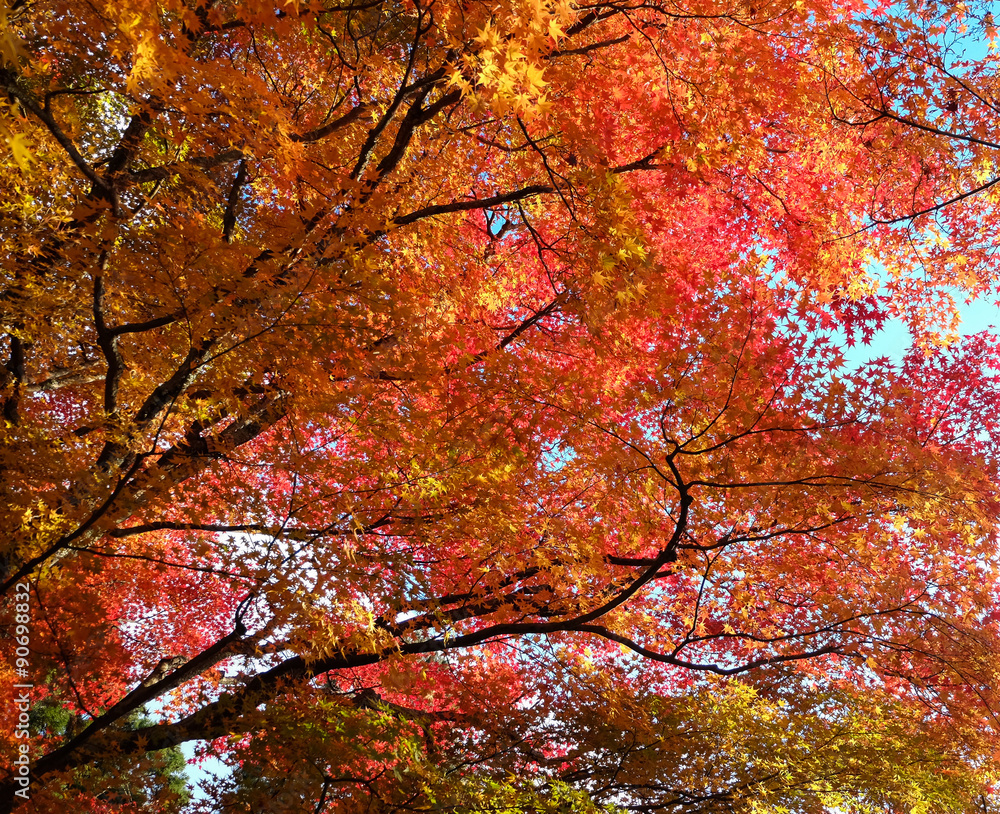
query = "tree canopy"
x=442 y=405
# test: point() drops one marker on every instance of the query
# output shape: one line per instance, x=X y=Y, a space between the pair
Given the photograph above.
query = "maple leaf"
x=444 y=405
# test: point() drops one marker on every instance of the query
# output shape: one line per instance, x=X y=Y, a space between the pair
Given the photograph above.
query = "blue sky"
x=894 y=339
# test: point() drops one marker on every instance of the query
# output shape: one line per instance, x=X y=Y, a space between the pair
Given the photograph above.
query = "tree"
x=157 y=783
x=443 y=405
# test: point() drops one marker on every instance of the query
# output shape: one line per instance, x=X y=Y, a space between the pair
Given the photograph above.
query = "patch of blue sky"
x=894 y=339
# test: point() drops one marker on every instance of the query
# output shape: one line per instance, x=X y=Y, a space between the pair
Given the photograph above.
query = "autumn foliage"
x=443 y=405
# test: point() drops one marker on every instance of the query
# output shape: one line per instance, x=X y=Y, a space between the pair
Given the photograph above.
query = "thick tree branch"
x=14 y=378
x=229 y=217
x=108 y=344
x=332 y=127
x=101 y=188
x=201 y=162
x=475 y=203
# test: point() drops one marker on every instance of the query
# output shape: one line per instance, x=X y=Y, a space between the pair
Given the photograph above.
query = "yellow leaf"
x=143 y=64
x=20 y=147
